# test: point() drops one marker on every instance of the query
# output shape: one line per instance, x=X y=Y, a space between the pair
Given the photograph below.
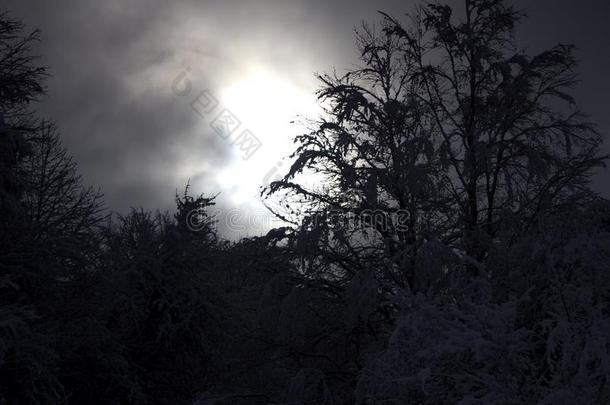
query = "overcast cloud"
x=113 y=63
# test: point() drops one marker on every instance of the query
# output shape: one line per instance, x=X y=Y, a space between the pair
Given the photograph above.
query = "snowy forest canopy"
x=456 y=253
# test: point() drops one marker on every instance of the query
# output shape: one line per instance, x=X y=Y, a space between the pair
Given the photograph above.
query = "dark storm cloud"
x=113 y=63
x=123 y=124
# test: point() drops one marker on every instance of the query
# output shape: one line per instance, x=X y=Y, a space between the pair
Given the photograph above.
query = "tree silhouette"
x=25 y=345
x=445 y=132
x=449 y=158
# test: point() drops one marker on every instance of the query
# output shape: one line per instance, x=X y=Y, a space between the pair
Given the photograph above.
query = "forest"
x=456 y=254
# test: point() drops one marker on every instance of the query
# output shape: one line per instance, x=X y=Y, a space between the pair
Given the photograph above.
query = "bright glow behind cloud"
x=268 y=105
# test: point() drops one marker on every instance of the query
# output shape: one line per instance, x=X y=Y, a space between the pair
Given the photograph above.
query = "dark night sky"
x=113 y=63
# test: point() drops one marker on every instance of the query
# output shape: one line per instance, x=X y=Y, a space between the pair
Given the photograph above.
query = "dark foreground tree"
x=449 y=158
x=26 y=355
x=49 y=241
x=445 y=132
